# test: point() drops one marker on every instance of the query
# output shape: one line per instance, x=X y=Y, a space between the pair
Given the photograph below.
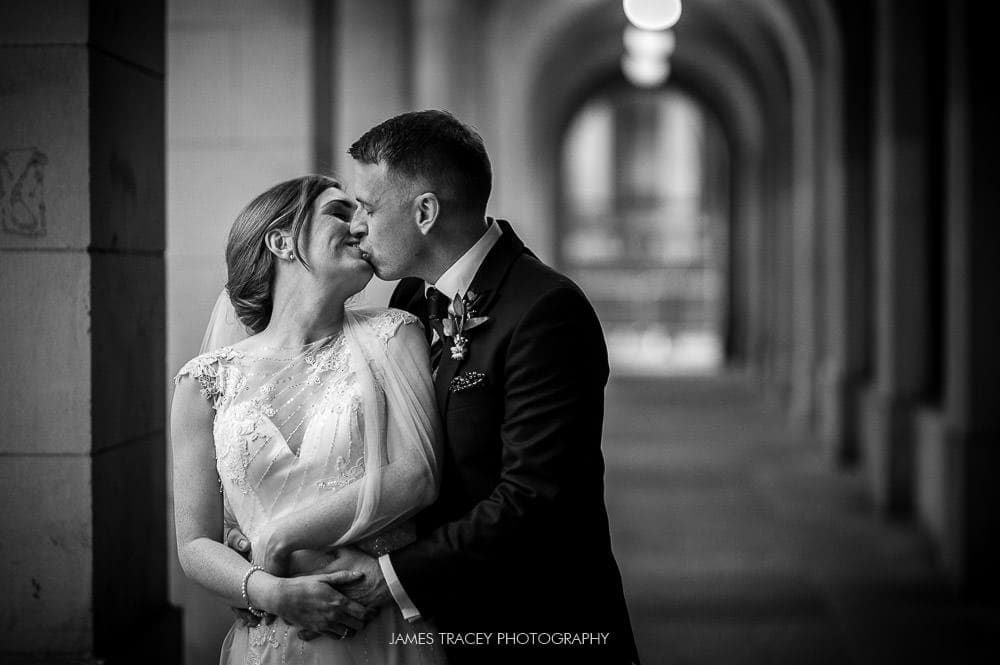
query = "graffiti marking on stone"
x=22 y=193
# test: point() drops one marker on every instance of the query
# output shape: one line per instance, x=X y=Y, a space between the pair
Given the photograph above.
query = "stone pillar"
x=848 y=240
x=972 y=408
x=448 y=56
x=803 y=270
x=249 y=105
x=82 y=400
x=768 y=350
x=830 y=239
x=721 y=234
x=374 y=72
x=901 y=253
x=780 y=275
x=750 y=290
x=373 y=80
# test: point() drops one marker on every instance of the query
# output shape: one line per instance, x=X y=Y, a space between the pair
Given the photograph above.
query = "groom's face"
x=385 y=220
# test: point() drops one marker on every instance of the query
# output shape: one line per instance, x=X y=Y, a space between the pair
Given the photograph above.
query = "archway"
x=642 y=225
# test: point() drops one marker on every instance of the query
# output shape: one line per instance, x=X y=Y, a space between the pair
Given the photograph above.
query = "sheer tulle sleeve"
x=401 y=425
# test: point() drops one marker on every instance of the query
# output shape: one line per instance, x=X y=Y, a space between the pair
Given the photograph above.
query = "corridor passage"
x=740 y=545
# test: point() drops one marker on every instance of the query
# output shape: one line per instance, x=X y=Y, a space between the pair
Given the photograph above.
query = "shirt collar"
x=457 y=279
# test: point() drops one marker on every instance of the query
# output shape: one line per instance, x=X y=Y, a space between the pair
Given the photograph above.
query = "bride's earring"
x=291 y=256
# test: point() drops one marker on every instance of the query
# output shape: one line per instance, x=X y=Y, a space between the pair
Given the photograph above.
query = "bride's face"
x=331 y=250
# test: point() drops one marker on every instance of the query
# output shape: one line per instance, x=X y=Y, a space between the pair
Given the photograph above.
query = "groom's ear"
x=426 y=210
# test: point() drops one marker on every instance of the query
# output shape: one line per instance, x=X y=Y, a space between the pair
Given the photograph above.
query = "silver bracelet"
x=246 y=599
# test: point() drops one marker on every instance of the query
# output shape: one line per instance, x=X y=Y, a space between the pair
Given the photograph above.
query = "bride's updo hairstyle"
x=251 y=265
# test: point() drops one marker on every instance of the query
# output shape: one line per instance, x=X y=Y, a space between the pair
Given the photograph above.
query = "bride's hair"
x=288 y=205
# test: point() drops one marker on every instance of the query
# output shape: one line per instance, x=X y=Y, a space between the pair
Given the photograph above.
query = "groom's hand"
x=236 y=540
x=371 y=590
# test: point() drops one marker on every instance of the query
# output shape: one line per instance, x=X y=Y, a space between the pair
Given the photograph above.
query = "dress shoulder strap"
x=385 y=322
x=207 y=369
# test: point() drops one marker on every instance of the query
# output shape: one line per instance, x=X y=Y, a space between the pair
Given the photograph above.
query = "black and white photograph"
x=499 y=332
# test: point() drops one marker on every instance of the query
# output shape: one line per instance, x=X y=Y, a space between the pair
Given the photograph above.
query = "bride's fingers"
x=342 y=620
x=340 y=632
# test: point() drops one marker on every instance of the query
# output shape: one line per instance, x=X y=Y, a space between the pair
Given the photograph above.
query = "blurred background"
x=783 y=211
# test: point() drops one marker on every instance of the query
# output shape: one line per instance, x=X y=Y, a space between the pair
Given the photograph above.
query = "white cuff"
x=406 y=606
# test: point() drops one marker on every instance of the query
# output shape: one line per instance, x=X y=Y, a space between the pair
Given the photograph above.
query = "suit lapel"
x=487 y=282
x=492 y=273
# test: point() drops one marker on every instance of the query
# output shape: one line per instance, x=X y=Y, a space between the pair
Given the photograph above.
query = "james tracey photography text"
x=500 y=639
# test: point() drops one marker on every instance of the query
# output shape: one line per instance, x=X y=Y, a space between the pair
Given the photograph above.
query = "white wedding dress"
x=353 y=414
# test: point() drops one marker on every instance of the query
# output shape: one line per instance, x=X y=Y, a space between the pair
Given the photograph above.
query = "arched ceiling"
x=719 y=46
x=750 y=63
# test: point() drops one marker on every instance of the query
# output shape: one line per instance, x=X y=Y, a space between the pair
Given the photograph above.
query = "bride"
x=318 y=430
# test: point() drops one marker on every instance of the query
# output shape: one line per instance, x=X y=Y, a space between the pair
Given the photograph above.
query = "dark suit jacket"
x=518 y=539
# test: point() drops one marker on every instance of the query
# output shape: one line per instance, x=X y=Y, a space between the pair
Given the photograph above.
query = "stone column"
x=373 y=80
x=901 y=220
x=374 y=67
x=847 y=239
x=448 y=56
x=82 y=456
x=746 y=195
x=249 y=106
x=972 y=408
x=780 y=275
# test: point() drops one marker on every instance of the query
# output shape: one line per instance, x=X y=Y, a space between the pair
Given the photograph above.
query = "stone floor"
x=739 y=544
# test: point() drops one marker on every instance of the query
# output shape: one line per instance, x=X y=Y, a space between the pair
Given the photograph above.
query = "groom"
x=518 y=541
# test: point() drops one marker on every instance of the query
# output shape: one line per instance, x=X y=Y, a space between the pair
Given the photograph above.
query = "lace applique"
x=238 y=436
x=261 y=637
x=332 y=358
x=207 y=369
x=386 y=323
x=345 y=474
x=343 y=394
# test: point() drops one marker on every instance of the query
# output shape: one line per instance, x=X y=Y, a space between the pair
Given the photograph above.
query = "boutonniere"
x=461 y=319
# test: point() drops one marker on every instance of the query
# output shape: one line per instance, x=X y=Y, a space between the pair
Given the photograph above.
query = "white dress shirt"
x=455 y=281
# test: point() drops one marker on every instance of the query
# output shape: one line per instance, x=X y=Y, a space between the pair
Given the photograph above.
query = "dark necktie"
x=437 y=309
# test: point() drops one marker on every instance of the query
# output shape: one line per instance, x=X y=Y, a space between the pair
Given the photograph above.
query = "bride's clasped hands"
x=311 y=600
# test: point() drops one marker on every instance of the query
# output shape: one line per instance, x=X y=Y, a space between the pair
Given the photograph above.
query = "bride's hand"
x=314 y=604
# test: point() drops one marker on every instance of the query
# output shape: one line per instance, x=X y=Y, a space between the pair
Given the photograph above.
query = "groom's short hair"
x=436 y=147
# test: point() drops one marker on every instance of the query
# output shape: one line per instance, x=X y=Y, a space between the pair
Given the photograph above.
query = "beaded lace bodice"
x=289 y=424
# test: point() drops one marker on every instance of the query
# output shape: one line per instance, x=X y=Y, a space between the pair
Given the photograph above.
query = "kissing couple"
x=422 y=483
